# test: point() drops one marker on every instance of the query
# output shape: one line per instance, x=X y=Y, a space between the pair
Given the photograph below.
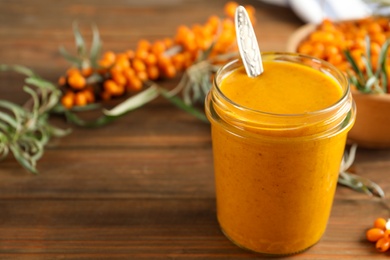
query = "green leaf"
x=58 y=132
x=384 y=81
x=25 y=162
x=70 y=58
x=367 y=59
x=182 y=105
x=12 y=106
x=40 y=83
x=35 y=99
x=17 y=68
x=79 y=40
x=354 y=65
x=103 y=120
x=9 y=120
x=95 y=47
x=134 y=102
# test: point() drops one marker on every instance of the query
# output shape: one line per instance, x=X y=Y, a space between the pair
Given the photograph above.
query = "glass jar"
x=276 y=174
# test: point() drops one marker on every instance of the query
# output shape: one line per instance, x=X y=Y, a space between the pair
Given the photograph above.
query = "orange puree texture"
x=274 y=195
x=283 y=88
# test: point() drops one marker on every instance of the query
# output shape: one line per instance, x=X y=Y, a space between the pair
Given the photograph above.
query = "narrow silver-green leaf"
x=95 y=47
x=70 y=58
x=182 y=105
x=134 y=102
x=79 y=40
x=26 y=163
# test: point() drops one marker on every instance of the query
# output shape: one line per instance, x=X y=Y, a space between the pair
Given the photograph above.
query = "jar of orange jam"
x=278 y=141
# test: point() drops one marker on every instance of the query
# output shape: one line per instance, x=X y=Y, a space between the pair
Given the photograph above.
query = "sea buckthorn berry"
x=80 y=99
x=141 y=54
x=230 y=9
x=86 y=72
x=151 y=59
x=134 y=84
x=387 y=234
x=168 y=42
x=142 y=75
x=128 y=73
x=143 y=44
x=374 y=234
x=109 y=56
x=158 y=47
x=380 y=223
x=118 y=77
x=130 y=54
x=67 y=100
x=61 y=81
x=153 y=72
x=71 y=71
x=110 y=86
x=382 y=245
x=77 y=81
x=170 y=71
x=88 y=93
x=138 y=65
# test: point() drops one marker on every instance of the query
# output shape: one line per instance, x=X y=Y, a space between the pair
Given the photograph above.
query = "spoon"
x=247 y=43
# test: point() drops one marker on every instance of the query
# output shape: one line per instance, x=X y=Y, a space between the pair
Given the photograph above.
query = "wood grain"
x=141 y=187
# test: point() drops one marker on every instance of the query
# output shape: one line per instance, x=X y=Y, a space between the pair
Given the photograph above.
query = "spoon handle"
x=247 y=43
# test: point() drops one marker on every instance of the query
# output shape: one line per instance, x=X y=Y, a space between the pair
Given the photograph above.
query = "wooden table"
x=141 y=187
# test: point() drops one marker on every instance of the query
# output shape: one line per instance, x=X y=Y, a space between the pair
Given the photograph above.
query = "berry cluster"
x=380 y=234
x=121 y=73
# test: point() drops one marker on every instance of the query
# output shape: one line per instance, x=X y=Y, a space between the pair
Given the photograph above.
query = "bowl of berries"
x=359 y=48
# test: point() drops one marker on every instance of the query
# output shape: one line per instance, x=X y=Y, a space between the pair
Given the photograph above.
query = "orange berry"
x=80 y=99
x=88 y=93
x=111 y=87
x=158 y=47
x=71 y=71
x=130 y=54
x=251 y=13
x=86 y=72
x=151 y=59
x=109 y=56
x=374 y=234
x=138 y=65
x=153 y=72
x=163 y=61
x=382 y=245
x=230 y=9
x=169 y=71
x=305 y=48
x=380 y=223
x=375 y=48
x=335 y=59
x=61 y=81
x=387 y=234
x=77 y=81
x=168 y=42
x=123 y=61
x=142 y=75
x=178 y=61
x=105 y=63
x=134 y=84
x=143 y=44
x=128 y=73
x=67 y=100
x=118 y=77
x=141 y=54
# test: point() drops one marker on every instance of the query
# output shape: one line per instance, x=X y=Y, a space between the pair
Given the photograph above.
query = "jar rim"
x=341 y=76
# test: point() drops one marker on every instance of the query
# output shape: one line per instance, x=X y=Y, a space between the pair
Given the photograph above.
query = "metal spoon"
x=247 y=43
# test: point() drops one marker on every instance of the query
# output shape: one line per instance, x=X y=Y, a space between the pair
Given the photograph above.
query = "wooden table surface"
x=141 y=187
